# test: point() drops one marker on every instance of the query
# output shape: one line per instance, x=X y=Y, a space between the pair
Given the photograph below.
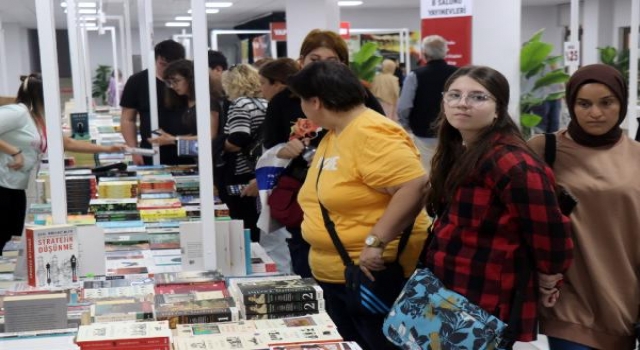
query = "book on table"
x=51 y=255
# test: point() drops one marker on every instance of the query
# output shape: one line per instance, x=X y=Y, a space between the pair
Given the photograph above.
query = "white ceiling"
x=23 y=11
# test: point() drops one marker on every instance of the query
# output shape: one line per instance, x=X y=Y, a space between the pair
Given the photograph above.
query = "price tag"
x=571 y=54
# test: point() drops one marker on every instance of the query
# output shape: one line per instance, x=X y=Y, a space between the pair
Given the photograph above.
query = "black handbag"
x=364 y=296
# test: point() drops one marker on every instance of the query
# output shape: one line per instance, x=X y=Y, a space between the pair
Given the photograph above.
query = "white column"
x=145 y=17
x=305 y=15
x=205 y=163
x=51 y=84
x=597 y=29
x=503 y=54
x=79 y=94
x=575 y=27
x=4 y=78
x=632 y=110
x=128 y=52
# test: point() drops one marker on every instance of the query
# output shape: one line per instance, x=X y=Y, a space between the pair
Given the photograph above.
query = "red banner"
x=457 y=32
x=451 y=20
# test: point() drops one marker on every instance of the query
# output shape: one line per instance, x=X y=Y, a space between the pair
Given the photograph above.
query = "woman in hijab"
x=597 y=163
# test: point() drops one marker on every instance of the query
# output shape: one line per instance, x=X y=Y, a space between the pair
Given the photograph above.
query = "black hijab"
x=610 y=77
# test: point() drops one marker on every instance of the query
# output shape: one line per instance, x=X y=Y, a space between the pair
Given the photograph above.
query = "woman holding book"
x=179 y=78
x=367 y=174
x=23 y=140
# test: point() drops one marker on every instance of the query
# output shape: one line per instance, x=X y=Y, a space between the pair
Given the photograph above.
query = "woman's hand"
x=162 y=139
x=371 y=260
x=292 y=149
x=251 y=190
x=18 y=162
x=121 y=148
x=549 y=287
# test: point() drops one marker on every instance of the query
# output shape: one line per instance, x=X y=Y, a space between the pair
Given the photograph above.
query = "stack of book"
x=118 y=188
x=163 y=235
x=125 y=336
x=80 y=190
x=188 y=188
x=93 y=290
x=277 y=297
x=260 y=334
x=193 y=297
x=121 y=309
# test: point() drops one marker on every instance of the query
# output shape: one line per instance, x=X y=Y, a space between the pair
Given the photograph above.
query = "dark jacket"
x=428 y=97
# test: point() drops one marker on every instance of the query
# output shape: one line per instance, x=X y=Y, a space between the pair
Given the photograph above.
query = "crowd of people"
x=453 y=161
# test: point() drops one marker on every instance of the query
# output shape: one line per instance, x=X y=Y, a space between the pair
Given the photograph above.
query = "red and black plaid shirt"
x=505 y=213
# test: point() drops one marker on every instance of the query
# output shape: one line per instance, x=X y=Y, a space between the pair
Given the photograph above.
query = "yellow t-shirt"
x=371 y=153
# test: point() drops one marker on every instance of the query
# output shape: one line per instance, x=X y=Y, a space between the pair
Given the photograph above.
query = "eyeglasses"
x=473 y=99
x=173 y=82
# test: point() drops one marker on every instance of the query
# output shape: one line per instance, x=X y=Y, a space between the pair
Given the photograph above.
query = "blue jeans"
x=561 y=344
x=364 y=330
x=550 y=113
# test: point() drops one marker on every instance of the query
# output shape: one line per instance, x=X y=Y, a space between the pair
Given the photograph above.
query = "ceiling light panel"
x=177 y=24
x=218 y=4
x=208 y=11
x=349 y=3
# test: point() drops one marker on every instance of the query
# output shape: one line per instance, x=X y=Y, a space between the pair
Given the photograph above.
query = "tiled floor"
x=540 y=344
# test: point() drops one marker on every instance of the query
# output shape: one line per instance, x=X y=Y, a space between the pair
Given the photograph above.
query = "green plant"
x=365 y=61
x=537 y=72
x=619 y=60
x=101 y=83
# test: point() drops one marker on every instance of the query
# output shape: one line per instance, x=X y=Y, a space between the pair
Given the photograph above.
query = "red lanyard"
x=42 y=130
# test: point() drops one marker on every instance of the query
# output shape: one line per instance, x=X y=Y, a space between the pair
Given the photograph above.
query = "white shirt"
x=18 y=128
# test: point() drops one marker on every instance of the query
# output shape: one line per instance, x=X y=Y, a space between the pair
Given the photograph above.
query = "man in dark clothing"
x=421 y=96
x=135 y=102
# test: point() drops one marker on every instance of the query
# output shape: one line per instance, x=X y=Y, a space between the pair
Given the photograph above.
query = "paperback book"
x=52 y=255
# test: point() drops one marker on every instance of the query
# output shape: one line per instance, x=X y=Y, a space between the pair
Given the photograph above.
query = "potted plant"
x=365 y=62
x=101 y=83
x=537 y=73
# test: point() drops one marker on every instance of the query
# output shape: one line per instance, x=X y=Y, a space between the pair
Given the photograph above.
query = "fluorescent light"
x=88 y=25
x=88 y=18
x=87 y=11
x=177 y=24
x=81 y=4
x=183 y=18
x=218 y=4
x=209 y=11
x=349 y=3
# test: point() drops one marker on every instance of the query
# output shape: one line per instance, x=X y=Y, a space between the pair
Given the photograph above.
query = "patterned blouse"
x=506 y=212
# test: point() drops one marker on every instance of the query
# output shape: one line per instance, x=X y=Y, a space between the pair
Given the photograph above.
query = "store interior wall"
x=553 y=18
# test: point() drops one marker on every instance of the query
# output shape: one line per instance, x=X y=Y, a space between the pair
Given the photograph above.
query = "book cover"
x=198 y=311
x=119 y=309
x=80 y=126
x=257 y=317
x=52 y=255
x=120 y=334
x=188 y=277
x=187 y=148
x=343 y=345
x=201 y=288
x=272 y=308
x=269 y=291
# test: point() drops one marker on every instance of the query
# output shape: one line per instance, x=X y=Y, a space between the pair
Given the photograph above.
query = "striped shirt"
x=245 y=116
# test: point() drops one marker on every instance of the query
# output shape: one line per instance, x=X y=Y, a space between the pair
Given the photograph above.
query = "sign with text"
x=451 y=19
x=345 y=30
x=571 y=54
x=278 y=31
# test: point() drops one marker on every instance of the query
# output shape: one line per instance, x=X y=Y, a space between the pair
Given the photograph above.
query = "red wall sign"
x=278 y=31
x=345 y=30
x=451 y=19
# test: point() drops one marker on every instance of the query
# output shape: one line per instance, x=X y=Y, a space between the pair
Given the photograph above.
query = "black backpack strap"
x=550 y=149
x=331 y=228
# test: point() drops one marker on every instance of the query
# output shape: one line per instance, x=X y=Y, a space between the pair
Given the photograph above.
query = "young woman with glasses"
x=178 y=76
x=494 y=202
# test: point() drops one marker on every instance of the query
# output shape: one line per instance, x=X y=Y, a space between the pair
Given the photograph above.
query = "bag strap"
x=550 y=149
x=331 y=228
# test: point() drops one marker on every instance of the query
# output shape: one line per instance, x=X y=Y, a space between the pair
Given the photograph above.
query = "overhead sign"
x=278 y=31
x=451 y=19
x=445 y=8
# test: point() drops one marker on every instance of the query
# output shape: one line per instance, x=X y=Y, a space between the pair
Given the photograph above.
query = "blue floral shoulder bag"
x=427 y=315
